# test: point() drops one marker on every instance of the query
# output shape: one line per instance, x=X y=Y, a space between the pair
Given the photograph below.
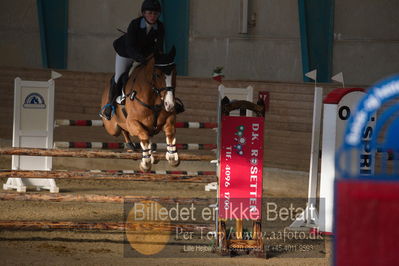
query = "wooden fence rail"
x=97 y=154
x=84 y=175
x=153 y=227
x=61 y=197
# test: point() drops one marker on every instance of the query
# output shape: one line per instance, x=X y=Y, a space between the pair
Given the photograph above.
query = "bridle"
x=157 y=108
x=167 y=88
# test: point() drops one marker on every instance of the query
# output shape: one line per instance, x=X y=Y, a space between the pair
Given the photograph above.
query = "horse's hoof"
x=145 y=167
x=173 y=159
x=174 y=163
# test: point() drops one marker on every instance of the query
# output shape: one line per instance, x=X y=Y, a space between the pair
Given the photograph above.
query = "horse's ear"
x=157 y=53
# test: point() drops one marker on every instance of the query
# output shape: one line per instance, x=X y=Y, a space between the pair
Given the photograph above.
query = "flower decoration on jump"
x=240 y=140
x=218 y=74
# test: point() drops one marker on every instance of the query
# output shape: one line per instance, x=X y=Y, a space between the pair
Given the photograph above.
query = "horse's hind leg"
x=129 y=145
x=171 y=154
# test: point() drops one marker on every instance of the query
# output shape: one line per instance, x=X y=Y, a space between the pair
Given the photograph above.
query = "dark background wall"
x=365 y=37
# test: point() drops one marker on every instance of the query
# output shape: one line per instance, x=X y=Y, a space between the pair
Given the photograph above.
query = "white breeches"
x=121 y=64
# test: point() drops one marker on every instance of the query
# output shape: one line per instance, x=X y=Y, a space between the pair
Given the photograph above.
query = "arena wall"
x=365 y=39
x=288 y=123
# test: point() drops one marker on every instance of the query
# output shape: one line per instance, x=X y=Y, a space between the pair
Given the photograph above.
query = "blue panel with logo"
x=361 y=141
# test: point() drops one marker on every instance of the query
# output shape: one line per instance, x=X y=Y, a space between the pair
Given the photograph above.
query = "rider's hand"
x=141 y=59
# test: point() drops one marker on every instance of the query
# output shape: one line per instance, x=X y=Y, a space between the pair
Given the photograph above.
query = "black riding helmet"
x=151 y=5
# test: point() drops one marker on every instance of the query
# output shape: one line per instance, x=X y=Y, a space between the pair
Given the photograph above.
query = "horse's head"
x=164 y=77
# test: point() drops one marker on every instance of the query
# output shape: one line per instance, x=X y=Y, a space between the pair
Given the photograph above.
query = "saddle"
x=120 y=86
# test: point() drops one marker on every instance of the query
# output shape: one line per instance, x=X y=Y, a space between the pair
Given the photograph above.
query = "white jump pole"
x=309 y=217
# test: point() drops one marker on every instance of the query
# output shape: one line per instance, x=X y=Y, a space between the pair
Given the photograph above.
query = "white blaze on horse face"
x=169 y=104
x=168 y=101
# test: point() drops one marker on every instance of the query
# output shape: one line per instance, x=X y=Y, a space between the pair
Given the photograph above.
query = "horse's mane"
x=164 y=62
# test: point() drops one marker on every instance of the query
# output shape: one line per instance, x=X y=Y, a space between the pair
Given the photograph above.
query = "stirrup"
x=101 y=113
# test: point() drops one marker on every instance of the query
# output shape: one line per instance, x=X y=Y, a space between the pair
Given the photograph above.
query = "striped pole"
x=99 y=123
x=80 y=123
x=159 y=172
x=195 y=125
x=116 y=145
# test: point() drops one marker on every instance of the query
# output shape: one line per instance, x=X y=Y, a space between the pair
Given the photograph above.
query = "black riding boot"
x=108 y=109
x=179 y=106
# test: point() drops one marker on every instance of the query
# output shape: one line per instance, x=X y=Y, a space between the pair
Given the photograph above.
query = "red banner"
x=241 y=168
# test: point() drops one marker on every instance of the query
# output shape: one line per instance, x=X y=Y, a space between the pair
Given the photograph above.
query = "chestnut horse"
x=149 y=108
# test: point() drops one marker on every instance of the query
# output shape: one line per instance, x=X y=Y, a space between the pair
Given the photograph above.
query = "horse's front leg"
x=171 y=154
x=136 y=129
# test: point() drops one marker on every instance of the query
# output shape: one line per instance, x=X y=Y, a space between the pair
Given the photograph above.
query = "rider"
x=145 y=35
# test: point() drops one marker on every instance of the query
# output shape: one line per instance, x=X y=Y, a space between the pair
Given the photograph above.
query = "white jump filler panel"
x=338 y=107
x=33 y=128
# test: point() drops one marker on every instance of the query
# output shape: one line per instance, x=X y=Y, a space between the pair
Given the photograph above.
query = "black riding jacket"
x=137 y=44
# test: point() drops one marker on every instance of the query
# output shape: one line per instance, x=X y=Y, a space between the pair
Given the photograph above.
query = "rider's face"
x=151 y=16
